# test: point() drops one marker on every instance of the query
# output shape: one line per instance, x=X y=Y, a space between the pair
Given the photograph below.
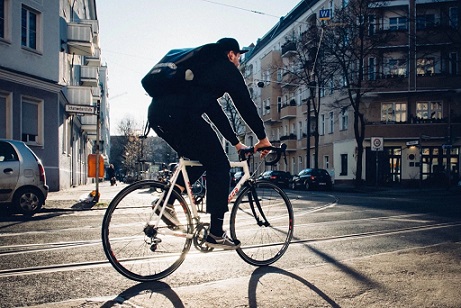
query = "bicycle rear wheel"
x=132 y=245
x=262 y=219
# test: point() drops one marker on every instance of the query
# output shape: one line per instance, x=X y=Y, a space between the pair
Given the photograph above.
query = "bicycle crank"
x=200 y=234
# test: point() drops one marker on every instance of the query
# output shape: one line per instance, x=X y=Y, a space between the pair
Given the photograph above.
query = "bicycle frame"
x=181 y=168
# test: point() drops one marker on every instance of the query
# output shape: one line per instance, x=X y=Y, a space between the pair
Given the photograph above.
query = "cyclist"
x=177 y=118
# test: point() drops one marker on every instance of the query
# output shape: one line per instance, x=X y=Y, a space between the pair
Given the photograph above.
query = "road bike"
x=141 y=247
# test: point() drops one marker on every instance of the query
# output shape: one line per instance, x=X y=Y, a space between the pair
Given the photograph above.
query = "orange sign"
x=92 y=165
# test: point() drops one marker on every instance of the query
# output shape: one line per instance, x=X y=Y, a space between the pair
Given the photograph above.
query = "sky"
x=135 y=35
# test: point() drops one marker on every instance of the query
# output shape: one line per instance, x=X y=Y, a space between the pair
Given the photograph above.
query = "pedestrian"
x=111 y=174
x=177 y=118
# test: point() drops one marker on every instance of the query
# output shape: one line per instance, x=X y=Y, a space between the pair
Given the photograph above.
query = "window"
x=429 y=110
x=425 y=21
x=393 y=112
x=279 y=74
x=331 y=122
x=397 y=23
x=300 y=163
x=29 y=28
x=425 y=66
x=371 y=69
x=322 y=125
x=326 y=162
x=32 y=121
x=453 y=66
x=371 y=25
x=5 y=115
x=454 y=17
x=344 y=118
x=343 y=164
x=2 y=19
x=395 y=67
x=300 y=130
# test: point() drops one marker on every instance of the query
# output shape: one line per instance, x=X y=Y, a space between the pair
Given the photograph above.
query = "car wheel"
x=28 y=201
x=307 y=185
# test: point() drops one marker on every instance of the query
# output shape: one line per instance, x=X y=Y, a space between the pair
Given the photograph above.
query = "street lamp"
x=312 y=85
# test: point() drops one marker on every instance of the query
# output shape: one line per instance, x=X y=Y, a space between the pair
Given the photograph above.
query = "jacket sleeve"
x=235 y=86
x=219 y=118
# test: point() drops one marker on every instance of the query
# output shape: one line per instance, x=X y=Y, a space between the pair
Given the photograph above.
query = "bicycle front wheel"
x=137 y=249
x=262 y=219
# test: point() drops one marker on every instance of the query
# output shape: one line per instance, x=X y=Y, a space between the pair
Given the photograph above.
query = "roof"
x=284 y=23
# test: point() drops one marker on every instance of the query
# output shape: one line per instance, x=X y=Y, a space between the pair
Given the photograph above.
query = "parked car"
x=236 y=177
x=312 y=178
x=22 y=177
x=280 y=178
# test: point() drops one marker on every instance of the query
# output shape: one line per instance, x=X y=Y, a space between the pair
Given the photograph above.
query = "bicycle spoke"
x=262 y=219
x=133 y=246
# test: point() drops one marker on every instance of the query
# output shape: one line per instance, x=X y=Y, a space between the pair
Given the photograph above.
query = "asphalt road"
x=380 y=248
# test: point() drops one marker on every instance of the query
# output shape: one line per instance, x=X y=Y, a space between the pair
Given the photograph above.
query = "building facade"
x=52 y=84
x=409 y=90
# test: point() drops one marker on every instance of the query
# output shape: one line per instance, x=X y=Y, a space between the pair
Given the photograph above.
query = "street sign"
x=412 y=142
x=325 y=14
x=377 y=144
x=80 y=109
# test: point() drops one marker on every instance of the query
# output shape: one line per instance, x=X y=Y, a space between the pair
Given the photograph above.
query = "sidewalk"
x=70 y=198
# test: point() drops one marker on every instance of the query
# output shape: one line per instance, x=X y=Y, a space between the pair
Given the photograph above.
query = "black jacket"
x=214 y=75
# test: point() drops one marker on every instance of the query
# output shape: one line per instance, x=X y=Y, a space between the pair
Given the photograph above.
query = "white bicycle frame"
x=181 y=168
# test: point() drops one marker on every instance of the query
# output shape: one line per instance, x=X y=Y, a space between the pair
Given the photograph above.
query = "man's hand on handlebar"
x=262 y=143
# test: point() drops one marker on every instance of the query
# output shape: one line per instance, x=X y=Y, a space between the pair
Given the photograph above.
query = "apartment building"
x=52 y=84
x=410 y=100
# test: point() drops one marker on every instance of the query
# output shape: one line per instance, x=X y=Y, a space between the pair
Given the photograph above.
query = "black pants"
x=192 y=137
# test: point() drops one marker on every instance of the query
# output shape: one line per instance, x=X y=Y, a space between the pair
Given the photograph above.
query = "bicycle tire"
x=127 y=242
x=261 y=244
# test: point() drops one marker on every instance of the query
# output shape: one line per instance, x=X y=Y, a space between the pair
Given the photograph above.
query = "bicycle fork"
x=253 y=199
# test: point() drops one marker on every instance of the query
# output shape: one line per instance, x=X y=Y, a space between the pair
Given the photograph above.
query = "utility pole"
x=98 y=127
x=312 y=86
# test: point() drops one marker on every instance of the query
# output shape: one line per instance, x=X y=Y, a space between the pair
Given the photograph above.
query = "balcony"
x=89 y=123
x=272 y=116
x=78 y=95
x=290 y=141
x=289 y=49
x=89 y=76
x=404 y=130
x=81 y=38
x=96 y=91
x=288 y=111
x=95 y=59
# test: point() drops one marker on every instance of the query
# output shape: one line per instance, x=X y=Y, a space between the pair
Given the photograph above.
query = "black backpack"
x=171 y=73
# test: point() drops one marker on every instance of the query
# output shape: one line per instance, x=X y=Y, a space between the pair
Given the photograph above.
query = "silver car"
x=22 y=177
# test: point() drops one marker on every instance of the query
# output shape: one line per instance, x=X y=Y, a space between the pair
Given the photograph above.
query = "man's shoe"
x=169 y=215
x=223 y=242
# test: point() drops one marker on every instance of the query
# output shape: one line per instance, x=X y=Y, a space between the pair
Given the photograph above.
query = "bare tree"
x=349 y=39
x=235 y=120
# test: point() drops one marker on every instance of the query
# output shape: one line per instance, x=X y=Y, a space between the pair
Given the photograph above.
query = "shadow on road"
x=156 y=294
x=256 y=282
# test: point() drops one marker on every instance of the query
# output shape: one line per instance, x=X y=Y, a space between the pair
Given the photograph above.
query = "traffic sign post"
x=377 y=145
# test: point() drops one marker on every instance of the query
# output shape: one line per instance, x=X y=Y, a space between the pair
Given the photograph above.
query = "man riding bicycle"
x=177 y=118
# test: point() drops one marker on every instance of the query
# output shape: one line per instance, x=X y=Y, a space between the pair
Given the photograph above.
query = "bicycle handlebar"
x=270 y=159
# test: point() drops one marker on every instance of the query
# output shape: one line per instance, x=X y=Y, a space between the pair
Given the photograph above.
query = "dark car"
x=236 y=177
x=280 y=178
x=312 y=178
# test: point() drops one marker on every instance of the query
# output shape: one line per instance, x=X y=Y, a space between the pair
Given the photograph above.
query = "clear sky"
x=134 y=35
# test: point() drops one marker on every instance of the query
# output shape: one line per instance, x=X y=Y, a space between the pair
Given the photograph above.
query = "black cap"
x=230 y=44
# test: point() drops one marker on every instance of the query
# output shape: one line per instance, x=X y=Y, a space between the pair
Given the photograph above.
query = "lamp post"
x=312 y=85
